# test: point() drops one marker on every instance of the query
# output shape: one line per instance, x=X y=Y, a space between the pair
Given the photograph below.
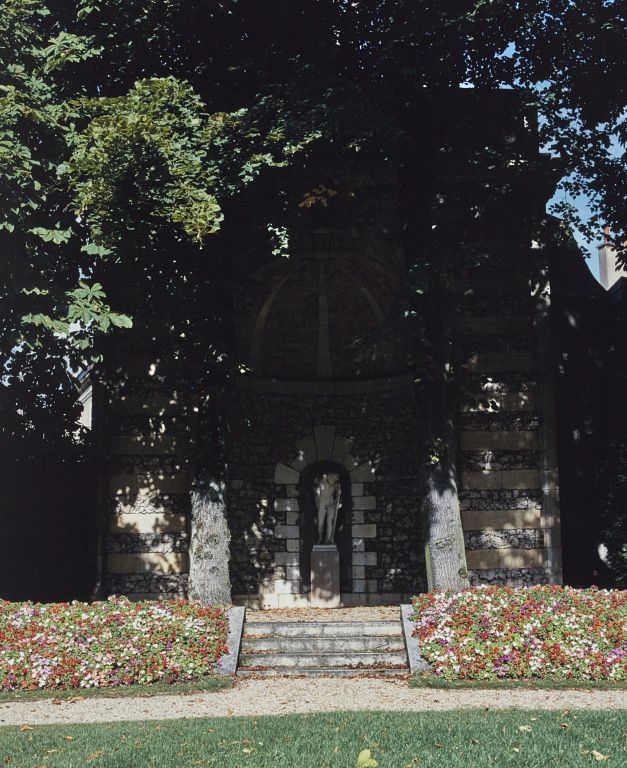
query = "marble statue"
x=327 y=493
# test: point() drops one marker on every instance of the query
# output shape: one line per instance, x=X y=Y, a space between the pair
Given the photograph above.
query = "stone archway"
x=324 y=444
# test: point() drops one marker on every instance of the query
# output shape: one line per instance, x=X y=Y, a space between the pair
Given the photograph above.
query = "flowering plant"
x=111 y=643
x=548 y=632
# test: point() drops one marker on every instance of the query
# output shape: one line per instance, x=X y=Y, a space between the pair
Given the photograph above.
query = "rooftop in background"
x=609 y=271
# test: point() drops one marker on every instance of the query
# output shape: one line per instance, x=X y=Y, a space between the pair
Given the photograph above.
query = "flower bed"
x=544 y=632
x=112 y=643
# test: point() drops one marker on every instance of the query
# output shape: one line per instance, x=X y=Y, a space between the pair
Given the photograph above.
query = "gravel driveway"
x=279 y=696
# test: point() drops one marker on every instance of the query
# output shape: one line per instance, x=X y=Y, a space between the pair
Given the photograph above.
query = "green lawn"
x=201 y=684
x=461 y=739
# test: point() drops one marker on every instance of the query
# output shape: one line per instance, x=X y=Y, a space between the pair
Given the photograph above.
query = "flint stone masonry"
x=509 y=577
x=500 y=499
x=170 y=585
x=510 y=538
x=485 y=461
x=148 y=542
x=379 y=452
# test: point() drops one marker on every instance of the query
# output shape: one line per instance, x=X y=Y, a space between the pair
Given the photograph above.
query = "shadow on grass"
x=202 y=685
x=431 y=681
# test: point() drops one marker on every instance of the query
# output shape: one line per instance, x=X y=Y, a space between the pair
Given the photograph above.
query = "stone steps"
x=329 y=644
x=322 y=628
x=316 y=648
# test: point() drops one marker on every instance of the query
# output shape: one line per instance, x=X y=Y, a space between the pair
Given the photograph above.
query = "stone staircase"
x=318 y=648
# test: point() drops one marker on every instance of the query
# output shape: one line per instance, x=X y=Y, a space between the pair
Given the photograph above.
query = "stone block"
x=518 y=401
x=357 y=489
x=293 y=572
x=292 y=518
x=284 y=475
x=342 y=446
x=325 y=576
x=152 y=562
x=504 y=558
x=511 y=479
x=371 y=585
x=286 y=558
x=351 y=463
x=364 y=558
x=485 y=519
x=149 y=523
x=284 y=586
x=286 y=531
x=286 y=505
x=358 y=545
x=293 y=545
x=148 y=484
x=298 y=600
x=523 y=440
x=358 y=517
x=363 y=473
x=306 y=450
x=359 y=572
x=364 y=502
x=324 y=441
x=367 y=531
x=359 y=585
x=291 y=491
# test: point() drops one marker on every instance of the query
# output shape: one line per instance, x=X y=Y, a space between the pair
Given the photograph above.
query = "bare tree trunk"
x=445 y=537
x=209 y=580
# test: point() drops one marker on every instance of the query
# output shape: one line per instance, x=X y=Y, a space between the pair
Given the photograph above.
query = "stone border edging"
x=227 y=664
x=416 y=662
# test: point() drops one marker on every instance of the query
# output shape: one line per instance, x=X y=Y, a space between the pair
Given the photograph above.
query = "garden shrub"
x=105 y=644
x=543 y=632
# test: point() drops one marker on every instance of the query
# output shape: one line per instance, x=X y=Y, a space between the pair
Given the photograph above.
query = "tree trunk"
x=446 y=555
x=209 y=580
x=445 y=536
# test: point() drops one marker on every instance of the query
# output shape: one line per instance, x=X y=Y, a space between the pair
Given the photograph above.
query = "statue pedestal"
x=325 y=576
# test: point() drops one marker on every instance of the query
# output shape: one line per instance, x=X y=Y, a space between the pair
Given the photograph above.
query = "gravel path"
x=278 y=696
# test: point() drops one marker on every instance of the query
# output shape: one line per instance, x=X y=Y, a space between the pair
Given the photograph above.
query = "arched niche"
x=324 y=447
x=308 y=520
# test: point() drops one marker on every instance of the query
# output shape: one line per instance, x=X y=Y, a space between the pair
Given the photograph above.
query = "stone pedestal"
x=325 y=576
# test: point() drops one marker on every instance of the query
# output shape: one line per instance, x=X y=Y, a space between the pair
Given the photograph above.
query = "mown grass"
x=202 y=684
x=459 y=739
x=433 y=681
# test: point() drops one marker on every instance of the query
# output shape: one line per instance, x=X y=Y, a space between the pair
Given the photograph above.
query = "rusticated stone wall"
x=278 y=429
x=509 y=490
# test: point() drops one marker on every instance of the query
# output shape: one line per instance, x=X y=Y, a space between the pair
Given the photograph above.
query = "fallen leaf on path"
x=564 y=725
x=69 y=738
x=95 y=755
x=57 y=701
x=524 y=728
x=598 y=756
x=26 y=728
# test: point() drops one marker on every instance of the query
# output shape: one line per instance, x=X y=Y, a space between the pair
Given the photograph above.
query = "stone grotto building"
x=329 y=382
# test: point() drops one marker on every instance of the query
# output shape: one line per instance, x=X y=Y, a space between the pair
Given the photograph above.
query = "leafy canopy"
x=126 y=127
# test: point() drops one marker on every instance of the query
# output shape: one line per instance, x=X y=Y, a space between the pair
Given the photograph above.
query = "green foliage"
x=128 y=129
